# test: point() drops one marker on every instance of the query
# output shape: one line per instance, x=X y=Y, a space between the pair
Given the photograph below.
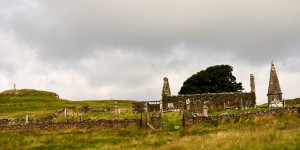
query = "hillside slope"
x=292 y=101
x=15 y=103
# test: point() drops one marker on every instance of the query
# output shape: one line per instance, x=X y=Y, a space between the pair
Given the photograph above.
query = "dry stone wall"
x=216 y=100
x=191 y=118
x=86 y=124
x=142 y=107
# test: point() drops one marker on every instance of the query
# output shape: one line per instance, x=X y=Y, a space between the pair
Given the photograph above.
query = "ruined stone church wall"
x=215 y=100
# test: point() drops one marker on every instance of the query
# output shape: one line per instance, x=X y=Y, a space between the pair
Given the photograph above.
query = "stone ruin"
x=274 y=92
x=146 y=106
x=195 y=102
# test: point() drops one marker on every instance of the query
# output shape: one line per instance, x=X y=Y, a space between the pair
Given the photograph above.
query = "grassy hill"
x=292 y=101
x=15 y=103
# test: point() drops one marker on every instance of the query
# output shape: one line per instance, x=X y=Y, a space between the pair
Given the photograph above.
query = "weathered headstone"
x=27 y=118
x=171 y=105
x=241 y=104
x=187 y=104
x=205 y=110
x=66 y=112
x=116 y=111
x=161 y=107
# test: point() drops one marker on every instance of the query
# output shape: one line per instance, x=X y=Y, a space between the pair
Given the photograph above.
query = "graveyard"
x=277 y=131
x=34 y=119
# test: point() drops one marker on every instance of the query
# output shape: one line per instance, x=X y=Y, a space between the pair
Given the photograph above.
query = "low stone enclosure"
x=45 y=123
x=67 y=111
x=190 y=118
x=85 y=124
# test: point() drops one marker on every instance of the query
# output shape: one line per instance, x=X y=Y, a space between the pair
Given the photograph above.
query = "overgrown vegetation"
x=279 y=132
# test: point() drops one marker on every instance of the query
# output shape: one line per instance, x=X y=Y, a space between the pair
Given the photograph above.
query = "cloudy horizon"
x=98 y=50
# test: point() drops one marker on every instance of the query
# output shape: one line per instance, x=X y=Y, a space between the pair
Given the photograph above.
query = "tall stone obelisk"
x=274 y=92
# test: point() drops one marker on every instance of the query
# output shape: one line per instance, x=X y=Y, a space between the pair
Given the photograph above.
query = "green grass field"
x=42 y=103
x=269 y=132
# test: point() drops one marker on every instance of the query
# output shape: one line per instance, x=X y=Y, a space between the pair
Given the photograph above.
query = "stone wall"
x=11 y=121
x=142 y=107
x=191 y=118
x=47 y=119
x=216 y=100
x=86 y=124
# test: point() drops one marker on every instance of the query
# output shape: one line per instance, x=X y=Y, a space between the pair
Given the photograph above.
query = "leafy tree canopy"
x=215 y=79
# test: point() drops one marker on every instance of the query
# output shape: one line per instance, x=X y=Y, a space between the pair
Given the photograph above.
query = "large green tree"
x=215 y=79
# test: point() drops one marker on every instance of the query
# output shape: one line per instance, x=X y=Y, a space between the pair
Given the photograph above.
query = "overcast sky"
x=122 y=49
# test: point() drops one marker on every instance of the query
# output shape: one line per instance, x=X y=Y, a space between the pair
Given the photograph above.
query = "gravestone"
x=66 y=112
x=116 y=111
x=205 y=110
x=241 y=104
x=27 y=118
x=171 y=105
x=188 y=104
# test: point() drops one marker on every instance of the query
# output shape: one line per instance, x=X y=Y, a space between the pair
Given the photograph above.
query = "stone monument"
x=27 y=118
x=116 y=111
x=166 y=88
x=205 y=110
x=66 y=112
x=252 y=83
x=274 y=92
x=165 y=92
x=241 y=104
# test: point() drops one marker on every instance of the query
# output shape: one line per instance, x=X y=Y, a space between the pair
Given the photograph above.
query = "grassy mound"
x=28 y=92
x=15 y=103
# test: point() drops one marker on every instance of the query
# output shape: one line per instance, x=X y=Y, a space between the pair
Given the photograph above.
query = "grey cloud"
x=130 y=45
x=62 y=30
